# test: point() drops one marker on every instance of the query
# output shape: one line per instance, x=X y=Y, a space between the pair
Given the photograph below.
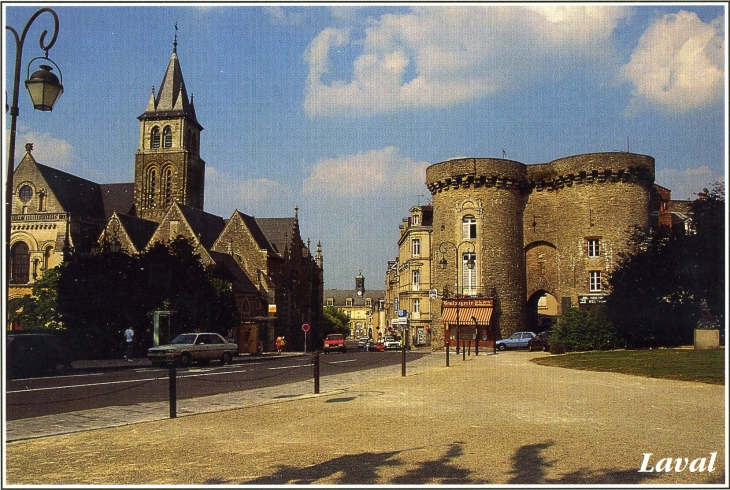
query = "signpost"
x=305 y=329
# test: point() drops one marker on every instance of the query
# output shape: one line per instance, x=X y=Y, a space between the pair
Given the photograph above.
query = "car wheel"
x=226 y=358
x=501 y=346
x=185 y=360
x=529 y=348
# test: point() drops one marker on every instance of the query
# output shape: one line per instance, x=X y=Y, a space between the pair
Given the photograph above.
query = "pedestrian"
x=283 y=343
x=129 y=341
x=279 y=344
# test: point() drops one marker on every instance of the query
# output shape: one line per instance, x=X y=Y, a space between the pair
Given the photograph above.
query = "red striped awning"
x=466 y=316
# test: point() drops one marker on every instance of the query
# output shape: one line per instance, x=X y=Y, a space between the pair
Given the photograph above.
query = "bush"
x=584 y=329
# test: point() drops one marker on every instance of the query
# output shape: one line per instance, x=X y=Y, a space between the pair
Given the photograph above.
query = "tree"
x=335 y=321
x=39 y=310
x=658 y=287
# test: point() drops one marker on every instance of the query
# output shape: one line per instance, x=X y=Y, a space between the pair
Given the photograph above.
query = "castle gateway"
x=529 y=236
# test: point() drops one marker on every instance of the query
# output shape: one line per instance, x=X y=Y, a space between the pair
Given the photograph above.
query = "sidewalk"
x=487 y=420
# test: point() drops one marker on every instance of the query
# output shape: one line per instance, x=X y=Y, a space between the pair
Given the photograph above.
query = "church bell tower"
x=167 y=166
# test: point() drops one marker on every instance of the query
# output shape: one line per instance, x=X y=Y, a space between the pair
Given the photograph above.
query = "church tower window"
x=155 y=138
x=167 y=179
x=20 y=263
x=151 y=188
x=167 y=137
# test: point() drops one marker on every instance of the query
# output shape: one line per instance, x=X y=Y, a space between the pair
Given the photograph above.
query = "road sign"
x=306 y=327
x=402 y=313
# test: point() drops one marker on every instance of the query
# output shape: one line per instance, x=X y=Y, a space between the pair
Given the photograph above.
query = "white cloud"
x=282 y=16
x=365 y=174
x=442 y=56
x=47 y=150
x=685 y=184
x=259 y=197
x=678 y=64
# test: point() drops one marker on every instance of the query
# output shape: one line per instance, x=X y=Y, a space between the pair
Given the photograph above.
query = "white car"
x=391 y=343
x=189 y=347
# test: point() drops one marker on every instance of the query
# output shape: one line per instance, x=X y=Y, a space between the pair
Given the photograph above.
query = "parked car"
x=36 y=354
x=391 y=343
x=193 y=347
x=515 y=341
x=540 y=341
x=335 y=342
x=375 y=346
x=362 y=343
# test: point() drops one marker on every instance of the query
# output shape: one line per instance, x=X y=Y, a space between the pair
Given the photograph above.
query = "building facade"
x=363 y=308
x=277 y=279
x=511 y=239
x=408 y=282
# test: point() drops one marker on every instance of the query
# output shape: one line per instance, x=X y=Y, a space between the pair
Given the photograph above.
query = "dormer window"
x=155 y=137
x=416 y=219
x=167 y=137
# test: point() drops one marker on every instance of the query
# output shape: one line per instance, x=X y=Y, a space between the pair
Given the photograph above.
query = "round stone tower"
x=478 y=206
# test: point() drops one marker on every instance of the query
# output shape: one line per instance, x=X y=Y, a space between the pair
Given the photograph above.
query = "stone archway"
x=542 y=311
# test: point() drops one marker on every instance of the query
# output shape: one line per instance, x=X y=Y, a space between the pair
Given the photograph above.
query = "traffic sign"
x=306 y=327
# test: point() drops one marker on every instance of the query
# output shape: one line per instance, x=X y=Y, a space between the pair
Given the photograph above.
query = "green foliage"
x=39 y=311
x=335 y=321
x=99 y=296
x=582 y=330
x=658 y=289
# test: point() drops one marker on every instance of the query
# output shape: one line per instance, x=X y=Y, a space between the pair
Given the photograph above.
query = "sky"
x=339 y=109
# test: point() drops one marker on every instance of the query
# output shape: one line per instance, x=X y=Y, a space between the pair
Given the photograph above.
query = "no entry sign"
x=305 y=327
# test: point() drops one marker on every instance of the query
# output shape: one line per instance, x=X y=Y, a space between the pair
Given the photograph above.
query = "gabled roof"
x=278 y=231
x=241 y=282
x=205 y=225
x=257 y=233
x=138 y=230
x=117 y=197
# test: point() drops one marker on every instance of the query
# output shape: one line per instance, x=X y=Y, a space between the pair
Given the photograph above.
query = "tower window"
x=595 y=281
x=594 y=247
x=151 y=188
x=167 y=137
x=167 y=180
x=468 y=276
x=468 y=228
x=155 y=137
x=416 y=280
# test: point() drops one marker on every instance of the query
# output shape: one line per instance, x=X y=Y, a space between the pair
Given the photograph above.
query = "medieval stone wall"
x=532 y=225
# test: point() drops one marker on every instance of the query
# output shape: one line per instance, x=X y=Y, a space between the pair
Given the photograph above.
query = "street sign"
x=402 y=313
x=395 y=305
x=306 y=327
x=433 y=294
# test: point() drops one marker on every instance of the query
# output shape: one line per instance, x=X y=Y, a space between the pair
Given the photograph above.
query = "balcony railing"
x=474 y=292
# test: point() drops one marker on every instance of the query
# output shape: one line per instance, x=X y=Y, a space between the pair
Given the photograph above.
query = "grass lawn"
x=705 y=366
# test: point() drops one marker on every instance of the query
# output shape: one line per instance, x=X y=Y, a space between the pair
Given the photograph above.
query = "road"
x=33 y=397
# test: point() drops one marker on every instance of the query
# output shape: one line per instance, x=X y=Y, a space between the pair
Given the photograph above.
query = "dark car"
x=542 y=341
x=36 y=354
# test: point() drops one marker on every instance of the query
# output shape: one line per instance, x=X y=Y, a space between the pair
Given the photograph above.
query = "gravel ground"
x=492 y=419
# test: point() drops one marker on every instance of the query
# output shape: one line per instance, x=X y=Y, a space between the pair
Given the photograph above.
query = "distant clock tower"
x=360 y=284
x=167 y=166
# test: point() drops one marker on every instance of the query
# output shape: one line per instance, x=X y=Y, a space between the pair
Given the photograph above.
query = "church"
x=278 y=282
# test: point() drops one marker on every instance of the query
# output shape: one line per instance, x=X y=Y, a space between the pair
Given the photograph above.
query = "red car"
x=335 y=342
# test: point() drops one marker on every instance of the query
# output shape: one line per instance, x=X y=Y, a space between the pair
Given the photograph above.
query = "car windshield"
x=184 y=338
x=335 y=337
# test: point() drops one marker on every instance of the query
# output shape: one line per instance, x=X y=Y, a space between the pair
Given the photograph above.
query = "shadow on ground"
x=528 y=467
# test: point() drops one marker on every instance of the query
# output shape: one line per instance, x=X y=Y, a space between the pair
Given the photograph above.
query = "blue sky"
x=339 y=109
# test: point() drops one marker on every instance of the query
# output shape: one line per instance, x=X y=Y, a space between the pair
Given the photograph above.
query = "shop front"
x=467 y=321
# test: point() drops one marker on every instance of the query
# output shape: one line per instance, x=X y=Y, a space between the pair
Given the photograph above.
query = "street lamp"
x=44 y=88
x=443 y=263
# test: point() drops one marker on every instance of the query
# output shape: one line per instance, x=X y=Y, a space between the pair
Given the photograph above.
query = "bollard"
x=448 y=341
x=463 y=350
x=316 y=373
x=173 y=391
x=403 y=354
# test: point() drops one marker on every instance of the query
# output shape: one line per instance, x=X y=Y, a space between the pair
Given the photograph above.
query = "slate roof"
x=277 y=230
x=257 y=233
x=139 y=230
x=117 y=198
x=207 y=226
x=241 y=282
x=340 y=295
x=75 y=195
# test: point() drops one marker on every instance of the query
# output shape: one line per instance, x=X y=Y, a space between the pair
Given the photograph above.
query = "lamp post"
x=443 y=263
x=44 y=88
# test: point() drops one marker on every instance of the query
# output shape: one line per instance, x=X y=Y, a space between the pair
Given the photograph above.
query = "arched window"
x=20 y=263
x=151 y=188
x=167 y=137
x=42 y=201
x=167 y=182
x=468 y=227
x=25 y=193
x=155 y=137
